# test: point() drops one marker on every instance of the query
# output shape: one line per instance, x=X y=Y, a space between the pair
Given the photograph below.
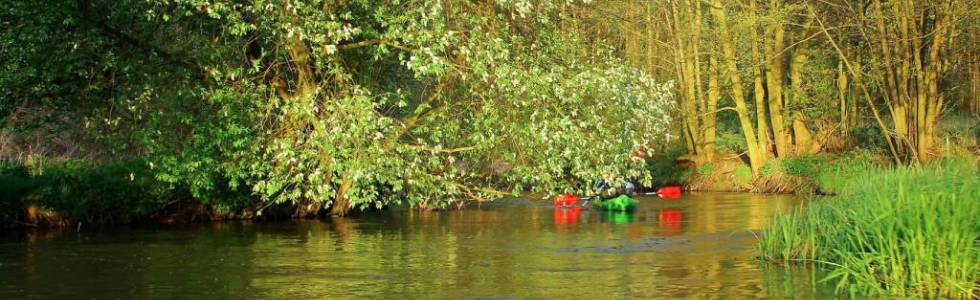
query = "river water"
x=699 y=246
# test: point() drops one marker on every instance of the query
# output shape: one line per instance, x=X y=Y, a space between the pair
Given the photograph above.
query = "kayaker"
x=606 y=191
x=602 y=187
x=609 y=198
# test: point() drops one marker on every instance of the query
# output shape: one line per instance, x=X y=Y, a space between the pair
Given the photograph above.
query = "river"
x=699 y=246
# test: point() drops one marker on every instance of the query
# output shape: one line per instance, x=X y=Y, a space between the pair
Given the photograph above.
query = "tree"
x=756 y=155
x=357 y=103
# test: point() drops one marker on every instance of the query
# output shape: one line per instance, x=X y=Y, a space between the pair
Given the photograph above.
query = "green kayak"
x=619 y=203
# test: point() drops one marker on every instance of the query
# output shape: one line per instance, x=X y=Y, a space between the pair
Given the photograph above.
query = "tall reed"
x=899 y=232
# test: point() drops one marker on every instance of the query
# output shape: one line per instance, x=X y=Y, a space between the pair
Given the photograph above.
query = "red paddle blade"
x=669 y=192
x=565 y=200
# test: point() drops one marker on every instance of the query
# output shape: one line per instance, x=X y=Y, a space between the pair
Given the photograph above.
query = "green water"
x=700 y=246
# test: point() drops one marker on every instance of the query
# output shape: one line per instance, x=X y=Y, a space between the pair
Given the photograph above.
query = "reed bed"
x=896 y=232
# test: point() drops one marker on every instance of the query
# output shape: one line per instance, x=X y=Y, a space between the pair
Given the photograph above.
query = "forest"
x=361 y=103
x=130 y=110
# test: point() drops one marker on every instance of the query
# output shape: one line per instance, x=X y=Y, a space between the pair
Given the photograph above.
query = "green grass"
x=895 y=232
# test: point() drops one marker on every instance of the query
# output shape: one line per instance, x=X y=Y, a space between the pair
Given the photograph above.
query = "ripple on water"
x=700 y=246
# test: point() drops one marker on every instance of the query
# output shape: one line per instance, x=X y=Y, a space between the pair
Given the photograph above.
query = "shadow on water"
x=698 y=246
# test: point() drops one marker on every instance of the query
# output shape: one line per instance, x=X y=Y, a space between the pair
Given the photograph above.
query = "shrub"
x=770 y=167
x=116 y=191
x=808 y=166
x=730 y=142
x=869 y=137
x=664 y=171
x=15 y=184
x=833 y=176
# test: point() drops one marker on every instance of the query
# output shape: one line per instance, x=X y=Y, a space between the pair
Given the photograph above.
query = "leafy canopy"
x=365 y=102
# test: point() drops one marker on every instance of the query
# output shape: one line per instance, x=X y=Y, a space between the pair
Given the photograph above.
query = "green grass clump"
x=897 y=232
x=743 y=174
x=808 y=166
x=836 y=176
x=706 y=169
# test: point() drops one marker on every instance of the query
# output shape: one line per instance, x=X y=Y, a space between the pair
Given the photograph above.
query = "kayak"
x=618 y=203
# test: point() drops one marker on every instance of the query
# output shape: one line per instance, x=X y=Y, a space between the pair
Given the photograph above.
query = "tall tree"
x=756 y=155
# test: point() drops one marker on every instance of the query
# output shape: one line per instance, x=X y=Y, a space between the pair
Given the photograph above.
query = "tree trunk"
x=341 y=203
x=756 y=159
x=911 y=38
x=801 y=134
x=774 y=81
x=759 y=92
x=688 y=76
x=842 y=94
x=710 y=117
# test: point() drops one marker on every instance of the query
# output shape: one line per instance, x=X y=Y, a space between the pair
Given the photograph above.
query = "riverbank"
x=62 y=193
x=816 y=174
x=897 y=232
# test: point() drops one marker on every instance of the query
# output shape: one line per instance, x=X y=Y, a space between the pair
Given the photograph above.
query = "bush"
x=109 y=192
x=834 y=176
x=730 y=142
x=665 y=171
x=869 y=137
x=808 y=166
x=15 y=184
x=770 y=167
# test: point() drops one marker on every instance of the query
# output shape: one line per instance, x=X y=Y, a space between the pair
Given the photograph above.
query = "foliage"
x=350 y=103
x=804 y=165
x=770 y=168
x=743 y=174
x=706 y=169
x=869 y=137
x=834 y=177
x=730 y=142
x=899 y=232
x=664 y=171
x=959 y=130
x=111 y=192
x=15 y=184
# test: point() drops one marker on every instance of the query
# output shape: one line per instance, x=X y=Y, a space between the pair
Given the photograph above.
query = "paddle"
x=667 y=192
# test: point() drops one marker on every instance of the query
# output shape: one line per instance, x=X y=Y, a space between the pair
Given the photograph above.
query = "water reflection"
x=616 y=217
x=697 y=246
x=669 y=220
x=567 y=215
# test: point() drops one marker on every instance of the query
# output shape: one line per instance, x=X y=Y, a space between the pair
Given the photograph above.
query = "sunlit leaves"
x=421 y=102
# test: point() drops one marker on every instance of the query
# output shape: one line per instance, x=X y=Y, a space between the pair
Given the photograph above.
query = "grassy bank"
x=804 y=174
x=901 y=232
